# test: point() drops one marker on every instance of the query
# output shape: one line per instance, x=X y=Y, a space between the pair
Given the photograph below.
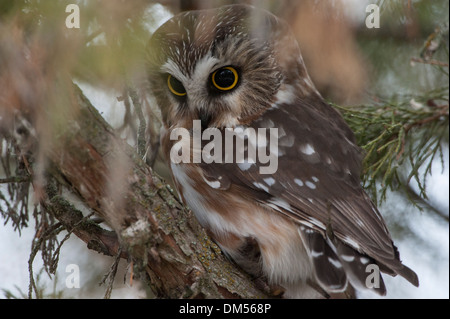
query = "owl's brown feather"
x=323 y=195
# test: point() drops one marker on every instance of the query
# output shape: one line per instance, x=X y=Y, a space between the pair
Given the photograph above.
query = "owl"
x=307 y=225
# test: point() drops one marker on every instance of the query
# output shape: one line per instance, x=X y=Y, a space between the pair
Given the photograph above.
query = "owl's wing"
x=317 y=184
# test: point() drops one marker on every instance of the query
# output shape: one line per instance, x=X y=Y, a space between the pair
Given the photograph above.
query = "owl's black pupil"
x=225 y=78
x=177 y=86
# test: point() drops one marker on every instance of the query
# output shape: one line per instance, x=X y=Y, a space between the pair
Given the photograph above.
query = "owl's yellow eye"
x=225 y=79
x=175 y=86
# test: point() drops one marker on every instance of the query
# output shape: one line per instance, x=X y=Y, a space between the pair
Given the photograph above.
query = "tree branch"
x=161 y=236
x=14 y=179
x=431 y=62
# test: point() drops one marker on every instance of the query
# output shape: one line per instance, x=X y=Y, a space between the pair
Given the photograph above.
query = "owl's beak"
x=205 y=118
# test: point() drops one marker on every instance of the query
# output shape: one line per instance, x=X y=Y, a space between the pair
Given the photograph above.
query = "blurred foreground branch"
x=54 y=144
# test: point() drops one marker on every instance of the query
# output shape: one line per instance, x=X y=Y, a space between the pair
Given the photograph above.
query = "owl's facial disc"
x=224 y=66
x=206 y=92
x=221 y=81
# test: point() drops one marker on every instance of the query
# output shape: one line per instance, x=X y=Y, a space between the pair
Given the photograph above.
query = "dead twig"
x=431 y=62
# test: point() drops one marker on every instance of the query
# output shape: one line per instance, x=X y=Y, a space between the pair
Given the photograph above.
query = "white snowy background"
x=423 y=242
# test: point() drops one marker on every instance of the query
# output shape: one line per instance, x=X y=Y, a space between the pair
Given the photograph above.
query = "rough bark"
x=155 y=230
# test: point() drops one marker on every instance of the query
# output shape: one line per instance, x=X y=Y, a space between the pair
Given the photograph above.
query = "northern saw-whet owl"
x=307 y=226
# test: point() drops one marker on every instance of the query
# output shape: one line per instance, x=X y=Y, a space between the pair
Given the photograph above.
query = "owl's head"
x=224 y=66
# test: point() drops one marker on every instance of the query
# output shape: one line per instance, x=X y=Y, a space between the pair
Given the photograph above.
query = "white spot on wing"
x=299 y=182
x=348 y=259
x=207 y=217
x=364 y=260
x=261 y=186
x=212 y=184
x=245 y=166
x=203 y=68
x=269 y=181
x=316 y=254
x=307 y=149
x=335 y=262
x=310 y=185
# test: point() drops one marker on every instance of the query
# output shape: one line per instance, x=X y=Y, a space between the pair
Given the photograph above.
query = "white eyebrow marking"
x=172 y=68
x=335 y=262
x=204 y=67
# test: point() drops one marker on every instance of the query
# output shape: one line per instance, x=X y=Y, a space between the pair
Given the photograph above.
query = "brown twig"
x=431 y=62
x=15 y=179
x=427 y=120
x=409 y=127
